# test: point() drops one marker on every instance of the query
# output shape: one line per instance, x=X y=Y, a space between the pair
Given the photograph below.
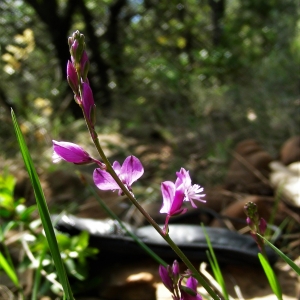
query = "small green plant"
x=16 y=215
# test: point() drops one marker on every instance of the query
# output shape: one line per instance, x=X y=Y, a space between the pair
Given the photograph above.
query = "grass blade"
x=214 y=265
x=271 y=276
x=9 y=271
x=283 y=256
x=43 y=210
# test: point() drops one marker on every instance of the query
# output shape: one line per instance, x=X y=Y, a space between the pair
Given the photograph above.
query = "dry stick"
x=255 y=172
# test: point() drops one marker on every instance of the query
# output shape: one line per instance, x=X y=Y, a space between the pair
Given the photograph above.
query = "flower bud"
x=88 y=103
x=84 y=65
x=175 y=267
x=251 y=212
x=77 y=46
x=70 y=152
x=70 y=41
x=73 y=49
x=262 y=226
x=165 y=277
x=72 y=77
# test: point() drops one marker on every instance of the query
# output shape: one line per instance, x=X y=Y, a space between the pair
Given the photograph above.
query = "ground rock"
x=290 y=150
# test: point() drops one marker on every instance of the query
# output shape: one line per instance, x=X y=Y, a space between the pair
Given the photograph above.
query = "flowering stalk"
x=183 y=189
x=257 y=225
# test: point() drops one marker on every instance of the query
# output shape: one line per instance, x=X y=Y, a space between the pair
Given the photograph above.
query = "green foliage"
x=158 y=64
x=7 y=203
x=271 y=276
x=14 y=212
x=73 y=250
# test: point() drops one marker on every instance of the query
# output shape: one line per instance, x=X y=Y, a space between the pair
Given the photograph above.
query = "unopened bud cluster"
x=172 y=280
x=77 y=70
x=256 y=224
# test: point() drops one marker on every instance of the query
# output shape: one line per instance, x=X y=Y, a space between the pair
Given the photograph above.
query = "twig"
x=255 y=172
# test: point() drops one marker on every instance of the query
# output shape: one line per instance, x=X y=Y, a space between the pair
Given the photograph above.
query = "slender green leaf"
x=283 y=256
x=6 y=254
x=43 y=210
x=214 y=265
x=9 y=270
x=271 y=276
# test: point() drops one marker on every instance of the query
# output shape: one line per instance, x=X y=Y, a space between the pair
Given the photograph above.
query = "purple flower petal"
x=190 y=291
x=172 y=199
x=73 y=48
x=168 y=192
x=72 y=77
x=192 y=192
x=184 y=177
x=87 y=100
x=192 y=283
x=104 y=181
x=175 y=268
x=70 y=152
x=131 y=170
x=117 y=167
x=164 y=275
x=84 y=65
x=262 y=225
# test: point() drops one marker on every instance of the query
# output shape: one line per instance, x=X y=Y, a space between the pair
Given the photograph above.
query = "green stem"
x=130 y=196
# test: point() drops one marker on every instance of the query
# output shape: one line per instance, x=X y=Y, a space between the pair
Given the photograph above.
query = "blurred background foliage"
x=196 y=75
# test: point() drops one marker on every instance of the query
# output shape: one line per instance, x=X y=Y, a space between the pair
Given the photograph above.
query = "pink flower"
x=173 y=197
x=191 y=192
x=190 y=291
x=131 y=170
x=70 y=152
